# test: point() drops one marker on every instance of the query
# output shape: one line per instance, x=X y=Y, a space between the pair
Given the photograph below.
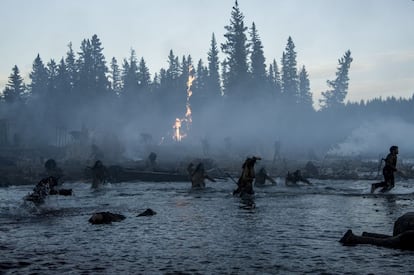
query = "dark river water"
x=292 y=230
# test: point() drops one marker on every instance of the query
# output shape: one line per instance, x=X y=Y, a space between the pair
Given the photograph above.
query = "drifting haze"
x=121 y=126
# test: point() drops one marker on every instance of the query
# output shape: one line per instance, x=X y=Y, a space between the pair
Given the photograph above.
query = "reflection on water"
x=290 y=230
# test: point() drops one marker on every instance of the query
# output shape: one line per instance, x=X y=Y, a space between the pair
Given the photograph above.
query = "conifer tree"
x=53 y=97
x=257 y=61
x=86 y=81
x=184 y=73
x=63 y=80
x=305 y=96
x=213 y=80
x=71 y=68
x=115 y=76
x=92 y=68
x=289 y=74
x=173 y=71
x=335 y=96
x=63 y=89
x=236 y=49
x=144 y=76
x=144 y=84
x=271 y=76
x=277 y=79
x=201 y=78
x=100 y=69
x=38 y=77
x=201 y=96
x=15 y=87
x=52 y=78
x=130 y=76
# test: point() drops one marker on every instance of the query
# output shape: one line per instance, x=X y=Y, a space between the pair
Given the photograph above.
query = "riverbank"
x=18 y=170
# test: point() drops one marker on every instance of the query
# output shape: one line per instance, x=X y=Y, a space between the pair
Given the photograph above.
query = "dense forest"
x=243 y=103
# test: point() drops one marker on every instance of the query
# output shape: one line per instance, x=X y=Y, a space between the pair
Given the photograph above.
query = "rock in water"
x=105 y=218
x=148 y=212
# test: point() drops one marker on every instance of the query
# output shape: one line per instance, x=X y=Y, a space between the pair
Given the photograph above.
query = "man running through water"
x=388 y=171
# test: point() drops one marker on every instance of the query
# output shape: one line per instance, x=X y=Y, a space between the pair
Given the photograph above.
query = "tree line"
x=84 y=82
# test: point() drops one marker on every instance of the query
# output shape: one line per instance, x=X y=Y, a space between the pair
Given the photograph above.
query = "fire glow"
x=178 y=133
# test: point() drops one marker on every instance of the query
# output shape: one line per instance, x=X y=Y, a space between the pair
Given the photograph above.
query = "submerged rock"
x=148 y=212
x=105 y=218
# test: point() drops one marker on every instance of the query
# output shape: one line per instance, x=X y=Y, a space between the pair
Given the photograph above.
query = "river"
x=292 y=230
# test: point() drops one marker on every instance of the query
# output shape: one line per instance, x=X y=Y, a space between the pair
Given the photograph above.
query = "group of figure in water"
x=248 y=175
x=198 y=175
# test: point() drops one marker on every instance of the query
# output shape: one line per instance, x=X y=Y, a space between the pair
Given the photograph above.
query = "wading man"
x=388 y=171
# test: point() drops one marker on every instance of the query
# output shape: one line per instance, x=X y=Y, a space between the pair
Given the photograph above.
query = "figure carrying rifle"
x=388 y=171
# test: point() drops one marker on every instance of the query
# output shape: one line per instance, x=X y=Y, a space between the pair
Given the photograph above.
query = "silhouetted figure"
x=198 y=175
x=45 y=187
x=402 y=238
x=276 y=153
x=206 y=147
x=388 y=171
x=99 y=174
x=311 y=170
x=151 y=163
x=96 y=153
x=262 y=176
x=52 y=170
x=245 y=182
x=146 y=139
x=295 y=177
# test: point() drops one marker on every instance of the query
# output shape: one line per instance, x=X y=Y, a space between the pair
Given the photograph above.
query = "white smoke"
x=375 y=137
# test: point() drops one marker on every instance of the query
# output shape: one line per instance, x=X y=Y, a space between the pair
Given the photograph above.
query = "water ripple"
x=291 y=230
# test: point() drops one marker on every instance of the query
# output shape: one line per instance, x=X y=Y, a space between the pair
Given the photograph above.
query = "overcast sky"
x=379 y=33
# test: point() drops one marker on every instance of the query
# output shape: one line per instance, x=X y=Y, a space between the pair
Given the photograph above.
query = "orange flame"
x=178 y=136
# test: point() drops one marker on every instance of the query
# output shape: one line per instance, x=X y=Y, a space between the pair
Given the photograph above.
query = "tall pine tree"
x=71 y=68
x=289 y=74
x=115 y=76
x=335 y=96
x=100 y=69
x=213 y=85
x=257 y=62
x=130 y=77
x=305 y=96
x=236 y=49
x=15 y=88
x=39 y=79
x=144 y=76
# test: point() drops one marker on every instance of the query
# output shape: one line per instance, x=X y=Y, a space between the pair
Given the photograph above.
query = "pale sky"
x=379 y=33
